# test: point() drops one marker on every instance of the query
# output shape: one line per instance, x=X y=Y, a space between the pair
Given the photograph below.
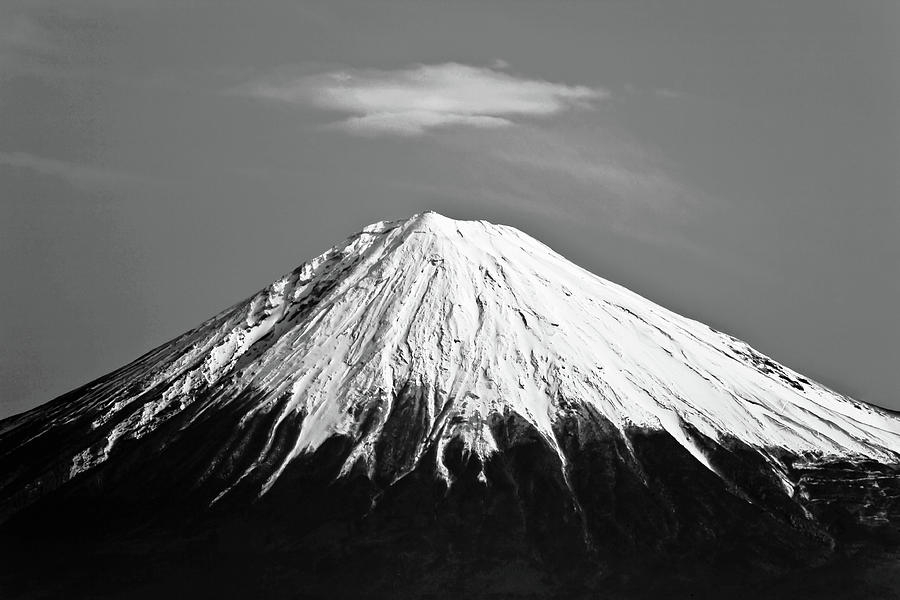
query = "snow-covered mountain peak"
x=432 y=331
x=433 y=222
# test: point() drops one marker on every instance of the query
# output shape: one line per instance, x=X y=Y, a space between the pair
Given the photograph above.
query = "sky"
x=737 y=162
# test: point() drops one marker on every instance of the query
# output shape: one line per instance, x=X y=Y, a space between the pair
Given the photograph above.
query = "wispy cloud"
x=78 y=174
x=577 y=166
x=57 y=40
x=587 y=172
x=420 y=98
x=631 y=181
x=22 y=32
x=668 y=93
x=22 y=40
x=594 y=158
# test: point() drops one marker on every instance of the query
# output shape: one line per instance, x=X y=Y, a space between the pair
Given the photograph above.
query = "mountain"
x=441 y=408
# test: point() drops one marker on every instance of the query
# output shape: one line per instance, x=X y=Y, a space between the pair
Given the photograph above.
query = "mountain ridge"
x=436 y=363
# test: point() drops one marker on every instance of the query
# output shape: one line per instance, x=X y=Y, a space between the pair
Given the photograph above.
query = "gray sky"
x=737 y=162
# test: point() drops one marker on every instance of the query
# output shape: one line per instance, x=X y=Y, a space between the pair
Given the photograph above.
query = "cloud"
x=414 y=122
x=668 y=93
x=77 y=174
x=420 y=98
x=23 y=40
x=57 y=40
x=580 y=171
x=22 y=32
x=594 y=159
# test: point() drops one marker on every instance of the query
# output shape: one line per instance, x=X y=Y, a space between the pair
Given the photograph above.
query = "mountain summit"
x=450 y=405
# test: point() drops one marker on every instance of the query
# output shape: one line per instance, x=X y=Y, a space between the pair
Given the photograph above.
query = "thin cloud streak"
x=668 y=93
x=78 y=174
x=20 y=32
x=23 y=41
x=586 y=173
x=596 y=159
x=42 y=38
x=606 y=173
x=421 y=98
x=414 y=122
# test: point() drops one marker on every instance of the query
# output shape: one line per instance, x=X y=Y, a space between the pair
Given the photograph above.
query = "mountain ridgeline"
x=439 y=409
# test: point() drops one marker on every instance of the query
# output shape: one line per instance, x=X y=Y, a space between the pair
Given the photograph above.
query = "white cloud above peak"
x=414 y=100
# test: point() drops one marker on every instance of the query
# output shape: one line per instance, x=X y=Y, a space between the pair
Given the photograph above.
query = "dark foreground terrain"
x=647 y=523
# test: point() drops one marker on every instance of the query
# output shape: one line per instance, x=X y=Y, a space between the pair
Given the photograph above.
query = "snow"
x=482 y=321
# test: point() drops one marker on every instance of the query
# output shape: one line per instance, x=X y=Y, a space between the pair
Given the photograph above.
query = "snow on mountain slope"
x=475 y=321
